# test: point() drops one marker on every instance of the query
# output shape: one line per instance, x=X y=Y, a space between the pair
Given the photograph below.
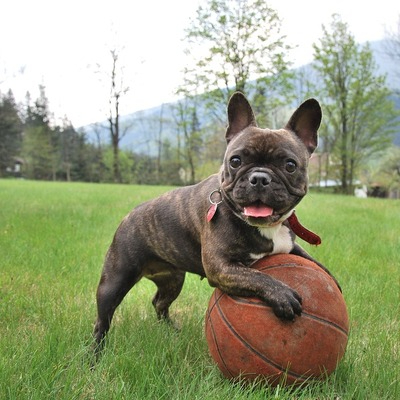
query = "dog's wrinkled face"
x=264 y=175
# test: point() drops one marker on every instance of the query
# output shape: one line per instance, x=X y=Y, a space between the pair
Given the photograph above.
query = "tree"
x=67 y=141
x=188 y=135
x=10 y=132
x=360 y=117
x=237 y=46
x=41 y=140
x=389 y=169
x=117 y=90
x=76 y=154
x=158 y=129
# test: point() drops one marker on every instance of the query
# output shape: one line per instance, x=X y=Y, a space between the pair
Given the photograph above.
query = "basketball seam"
x=332 y=324
x=213 y=332
x=252 y=349
x=291 y=265
x=315 y=317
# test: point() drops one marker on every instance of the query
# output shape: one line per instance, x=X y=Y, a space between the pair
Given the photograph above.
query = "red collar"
x=303 y=232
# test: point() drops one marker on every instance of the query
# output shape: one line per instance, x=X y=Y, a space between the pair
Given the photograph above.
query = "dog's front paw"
x=285 y=302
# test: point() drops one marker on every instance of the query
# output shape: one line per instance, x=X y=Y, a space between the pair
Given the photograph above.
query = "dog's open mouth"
x=258 y=210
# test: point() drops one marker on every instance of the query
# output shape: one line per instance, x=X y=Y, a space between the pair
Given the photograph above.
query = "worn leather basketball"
x=248 y=341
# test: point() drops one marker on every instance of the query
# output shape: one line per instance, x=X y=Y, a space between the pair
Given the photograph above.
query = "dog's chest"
x=280 y=237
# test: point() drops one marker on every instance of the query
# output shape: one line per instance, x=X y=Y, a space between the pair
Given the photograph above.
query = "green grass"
x=53 y=237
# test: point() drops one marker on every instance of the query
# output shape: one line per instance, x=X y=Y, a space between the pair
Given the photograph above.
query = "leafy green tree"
x=125 y=165
x=360 y=117
x=188 y=136
x=41 y=140
x=67 y=148
x=76 y=155
x=10 y=132
x=386 y=170
x=87 y=161
x=38 y=153
x=237 y=45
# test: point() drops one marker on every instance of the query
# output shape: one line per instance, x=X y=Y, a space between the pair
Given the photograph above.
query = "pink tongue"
x=258 y=211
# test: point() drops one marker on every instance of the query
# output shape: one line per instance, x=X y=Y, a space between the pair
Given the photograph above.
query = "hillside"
x=142 y=127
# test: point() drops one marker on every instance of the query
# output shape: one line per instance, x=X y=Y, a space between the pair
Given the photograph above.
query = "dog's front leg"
x=240 y=280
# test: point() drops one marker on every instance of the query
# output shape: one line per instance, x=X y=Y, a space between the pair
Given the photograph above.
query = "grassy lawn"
x=53 y=238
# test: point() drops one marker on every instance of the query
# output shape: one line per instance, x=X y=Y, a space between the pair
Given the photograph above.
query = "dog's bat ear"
x=240 y=115
x=305 y=122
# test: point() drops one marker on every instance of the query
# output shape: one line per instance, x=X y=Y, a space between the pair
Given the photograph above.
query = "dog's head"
x=264 y=174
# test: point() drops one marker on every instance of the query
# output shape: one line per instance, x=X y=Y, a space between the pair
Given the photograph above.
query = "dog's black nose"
x=260 y=179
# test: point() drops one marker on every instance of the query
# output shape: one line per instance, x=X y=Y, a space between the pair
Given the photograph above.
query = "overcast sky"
x=64 y=44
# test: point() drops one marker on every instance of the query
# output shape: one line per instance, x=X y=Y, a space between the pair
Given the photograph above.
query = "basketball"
x=247 y=340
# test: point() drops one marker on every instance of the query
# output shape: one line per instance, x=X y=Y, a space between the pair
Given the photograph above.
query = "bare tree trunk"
x=115 y=94
x=159 y=144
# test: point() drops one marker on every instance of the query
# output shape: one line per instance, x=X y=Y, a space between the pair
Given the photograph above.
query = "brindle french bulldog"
x=219 y=227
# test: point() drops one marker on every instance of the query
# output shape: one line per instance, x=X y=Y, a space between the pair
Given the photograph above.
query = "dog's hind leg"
x=169 y=283
x=112 y=289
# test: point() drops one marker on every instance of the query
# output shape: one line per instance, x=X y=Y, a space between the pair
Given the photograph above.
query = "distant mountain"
x=396 y=140
x=386 y=65
x=143 y=126
x=390 y=68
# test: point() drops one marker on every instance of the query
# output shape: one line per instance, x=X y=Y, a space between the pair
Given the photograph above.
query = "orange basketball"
x=247 y=340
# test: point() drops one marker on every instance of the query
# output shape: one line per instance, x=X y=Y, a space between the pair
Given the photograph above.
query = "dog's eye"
x=235 y=162
x=291 y=166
